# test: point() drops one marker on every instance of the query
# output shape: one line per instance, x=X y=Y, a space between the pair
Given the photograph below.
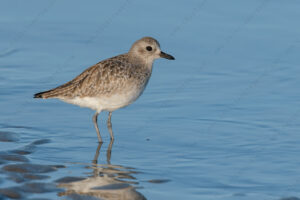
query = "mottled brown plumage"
x=106 y=77
x=112 y=83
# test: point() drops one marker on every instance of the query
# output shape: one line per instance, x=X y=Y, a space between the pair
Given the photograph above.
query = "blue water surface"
x=219 y=122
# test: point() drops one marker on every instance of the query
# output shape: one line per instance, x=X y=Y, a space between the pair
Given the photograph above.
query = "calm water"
x=219 y=122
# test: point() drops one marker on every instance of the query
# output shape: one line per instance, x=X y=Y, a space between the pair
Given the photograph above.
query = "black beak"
x=165 y=55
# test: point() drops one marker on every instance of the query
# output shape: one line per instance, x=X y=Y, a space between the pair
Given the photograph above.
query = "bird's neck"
x=145 y=63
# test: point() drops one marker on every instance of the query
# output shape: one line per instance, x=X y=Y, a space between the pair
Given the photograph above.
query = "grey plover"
x=112 y=83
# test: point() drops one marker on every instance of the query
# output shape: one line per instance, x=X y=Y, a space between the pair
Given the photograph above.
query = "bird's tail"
x=38 y=95
x=46 y=94
x=65 y=89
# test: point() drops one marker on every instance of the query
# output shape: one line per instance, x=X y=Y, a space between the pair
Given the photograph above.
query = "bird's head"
x=147 y=50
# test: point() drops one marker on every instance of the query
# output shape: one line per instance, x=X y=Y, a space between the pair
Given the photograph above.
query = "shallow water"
x=219 y=122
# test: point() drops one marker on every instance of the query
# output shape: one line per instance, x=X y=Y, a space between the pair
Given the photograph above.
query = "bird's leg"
x=96 y=126
x=95 y=161
x=108 y=153
x=109 y=126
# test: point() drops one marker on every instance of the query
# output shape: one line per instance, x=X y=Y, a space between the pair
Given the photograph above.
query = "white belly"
x=107 y=102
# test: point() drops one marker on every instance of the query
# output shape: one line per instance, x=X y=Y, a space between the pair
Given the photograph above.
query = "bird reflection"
x=107 y=181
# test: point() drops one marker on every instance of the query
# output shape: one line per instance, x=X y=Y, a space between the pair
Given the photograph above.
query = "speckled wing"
x=105 y=77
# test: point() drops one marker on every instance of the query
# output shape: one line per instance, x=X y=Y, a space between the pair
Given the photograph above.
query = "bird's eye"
x=149 y=48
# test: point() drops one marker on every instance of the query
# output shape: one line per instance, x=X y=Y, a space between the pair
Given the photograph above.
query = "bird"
x=113 y=83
